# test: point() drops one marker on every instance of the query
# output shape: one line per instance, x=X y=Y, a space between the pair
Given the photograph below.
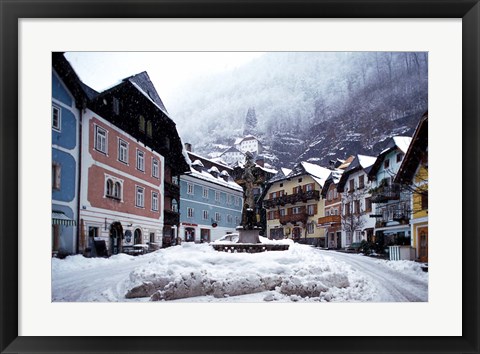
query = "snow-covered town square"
x=197 y=273
x=251 y=177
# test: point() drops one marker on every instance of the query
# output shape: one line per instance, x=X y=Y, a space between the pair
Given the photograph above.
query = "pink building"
x=121 y=191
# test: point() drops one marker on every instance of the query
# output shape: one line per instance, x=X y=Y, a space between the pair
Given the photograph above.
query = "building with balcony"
x=211 y=202
x=354 y=187
x=413 y=176
x=294 y=203
x=391 y=201
x=333 y=210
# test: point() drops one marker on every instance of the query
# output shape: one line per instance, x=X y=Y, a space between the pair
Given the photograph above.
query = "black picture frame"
x=11 y=11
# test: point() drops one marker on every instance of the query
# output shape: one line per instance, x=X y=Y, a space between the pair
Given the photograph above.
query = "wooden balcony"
x=293 y=218
x=171 y=218
x=384 y=194
x=171 y=190
x=300 y=197
x=328 y=220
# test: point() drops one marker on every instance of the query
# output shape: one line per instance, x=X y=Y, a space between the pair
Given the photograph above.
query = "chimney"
x=188 y=147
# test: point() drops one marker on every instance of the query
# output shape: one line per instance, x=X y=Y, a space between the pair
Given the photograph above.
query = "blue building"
x=210 y=201
x=67 y=97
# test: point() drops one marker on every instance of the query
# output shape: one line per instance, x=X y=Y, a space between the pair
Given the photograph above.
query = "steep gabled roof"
x=333 y=178
x=396 y=143
x=232 y=149
x=360 y=162
x=143 y=83
x=416 y=152
x=318 y=173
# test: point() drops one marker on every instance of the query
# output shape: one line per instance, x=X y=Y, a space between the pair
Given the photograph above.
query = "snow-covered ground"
x=197 y=273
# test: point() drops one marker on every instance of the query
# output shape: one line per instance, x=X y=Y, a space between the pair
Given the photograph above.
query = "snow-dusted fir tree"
x=250 y=125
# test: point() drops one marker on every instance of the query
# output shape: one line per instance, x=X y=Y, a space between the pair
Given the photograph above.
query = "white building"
x=249 y=143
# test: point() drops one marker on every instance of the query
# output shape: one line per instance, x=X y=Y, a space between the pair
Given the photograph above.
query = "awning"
x=59 y=218
x=393 y=229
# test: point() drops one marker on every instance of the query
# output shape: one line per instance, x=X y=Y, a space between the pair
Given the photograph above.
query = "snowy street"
x=197 y=273
x=394 y=280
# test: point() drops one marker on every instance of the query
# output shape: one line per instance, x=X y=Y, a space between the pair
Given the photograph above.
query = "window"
x=154 y=201
x=281 y=184
x=190 y=188
x=140 y=160
x=56 y=118
x=122 y=151
x=92 y=231
x=424 y=201
x=152 y=237
x=140 y=197
x=109 y=191
x=386 y=163
x=218 y=217
x=56 y=175
x=327 y=212
x=311 y=228
x=155 y=168
x=141 y=123
x=237 y=220
x=309 y=187
x=330 y=195
x=351 y=187
x=299 y=180
x=205 y=192
x=231 y=198
x=149 y=128
x=361 y=181
x=100 y=139
x=368 y=204
x=400 y=157
x=174 y=205
x=335 y=194
x=229 y=218
x=116 y=106
x=356 y=207
x=205 y=215
x=217 y=196
x=311 y=209
x=296 y=210
x=117 y=190
x=190 y=212
x=347 y=209
x=336 y=211
x=282 y=212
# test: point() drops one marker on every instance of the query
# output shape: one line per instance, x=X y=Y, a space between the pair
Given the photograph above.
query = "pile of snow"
x=407 y=267
x=194 y=270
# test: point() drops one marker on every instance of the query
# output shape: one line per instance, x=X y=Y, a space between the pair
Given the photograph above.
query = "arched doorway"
x=116 y=237
x=137 y=237
x=296 y=233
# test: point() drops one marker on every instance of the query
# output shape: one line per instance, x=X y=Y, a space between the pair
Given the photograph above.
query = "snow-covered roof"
x=204 y=175
x=213 y=169
x=402 y=142
x=197 y=163
x=232 y=149
x=286 y=171
x=366 y=161
x=319 y=173
x=224 y=173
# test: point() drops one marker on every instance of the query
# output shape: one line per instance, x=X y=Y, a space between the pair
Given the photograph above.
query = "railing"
x=330 y=219
x=293 y=218
x=302 y=197
x=385 y=193
x=171 y=217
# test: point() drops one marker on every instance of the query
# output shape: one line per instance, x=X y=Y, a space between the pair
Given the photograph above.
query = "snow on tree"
x=250 y=125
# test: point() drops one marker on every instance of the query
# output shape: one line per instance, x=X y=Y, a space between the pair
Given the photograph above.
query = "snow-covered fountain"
x=248 y=230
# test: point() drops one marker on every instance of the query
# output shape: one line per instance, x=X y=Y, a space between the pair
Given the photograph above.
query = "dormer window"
x=149 y=128
x=116 y=106
x=141 y=123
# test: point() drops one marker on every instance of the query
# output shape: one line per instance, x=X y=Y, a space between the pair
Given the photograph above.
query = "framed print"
x=43 y=308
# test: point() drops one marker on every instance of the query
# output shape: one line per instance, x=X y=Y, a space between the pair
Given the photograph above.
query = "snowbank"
x=193 y=270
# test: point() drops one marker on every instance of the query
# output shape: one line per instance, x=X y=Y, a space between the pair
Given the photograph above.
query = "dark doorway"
x=116 y=237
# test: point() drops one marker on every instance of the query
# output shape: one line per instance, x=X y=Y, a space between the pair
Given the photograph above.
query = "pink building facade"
x=122 y=190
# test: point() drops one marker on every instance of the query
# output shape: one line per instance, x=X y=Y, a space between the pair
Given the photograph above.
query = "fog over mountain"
x=310 y=106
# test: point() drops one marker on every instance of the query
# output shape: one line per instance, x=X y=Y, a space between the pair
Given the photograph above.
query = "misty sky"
x=168 y=71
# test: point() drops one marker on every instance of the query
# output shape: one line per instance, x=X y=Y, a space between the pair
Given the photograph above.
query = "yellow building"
x=413 y=175
x=293 y=204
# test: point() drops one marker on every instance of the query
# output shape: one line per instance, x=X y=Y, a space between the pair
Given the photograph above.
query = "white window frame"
x=218 y=217
x=190 y=188
x=154 y=201
x=139 y=197
x=229 y=218
x=311 y=228
x=155 y=167
x=311 y=206
x=190 y=212
x=217 y=196
x=140 y=158
x=205 y=192
x=205 y=214
x=98 y=131
x=122 y=148
x=57 y=127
